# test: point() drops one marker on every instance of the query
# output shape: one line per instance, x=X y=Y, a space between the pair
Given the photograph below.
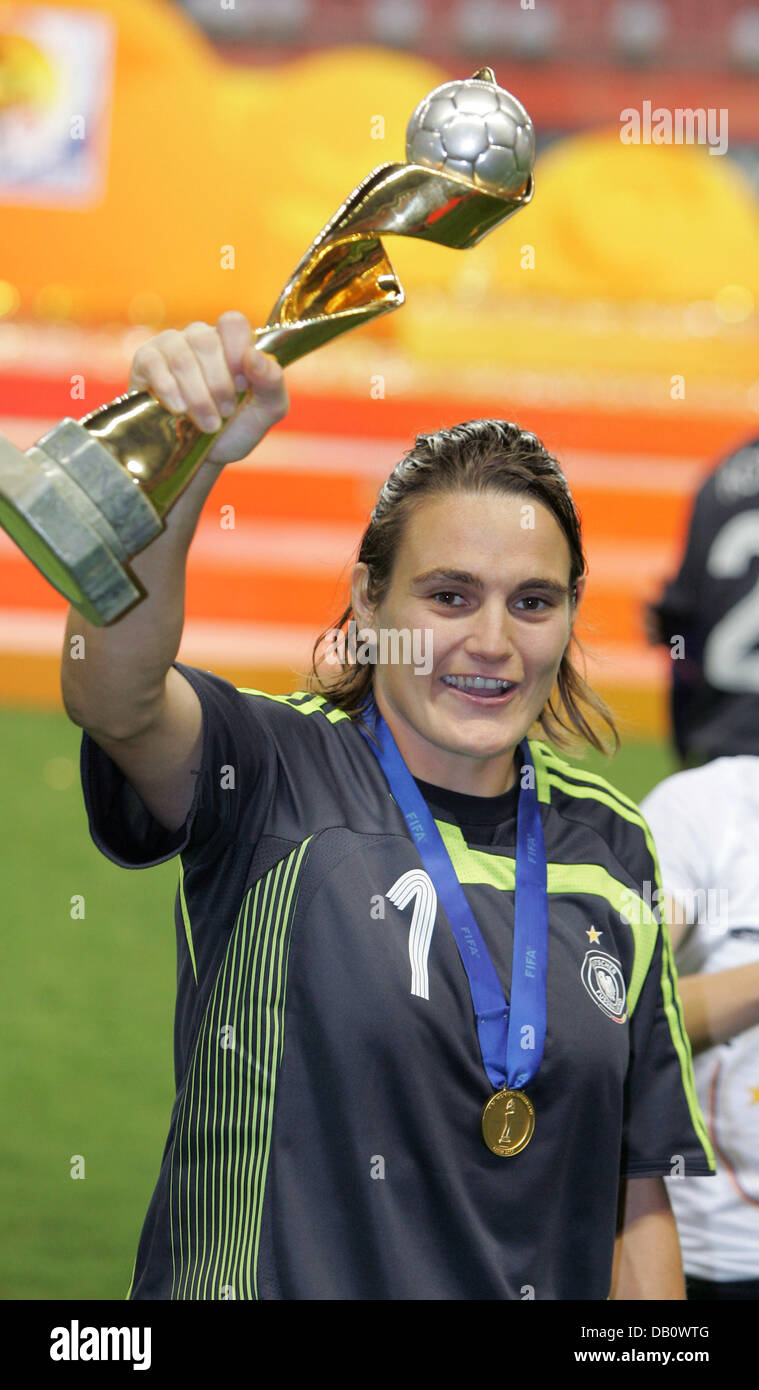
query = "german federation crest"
x=603 y=979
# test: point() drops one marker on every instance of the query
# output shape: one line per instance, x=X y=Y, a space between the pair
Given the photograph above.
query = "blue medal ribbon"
x=511 y=1039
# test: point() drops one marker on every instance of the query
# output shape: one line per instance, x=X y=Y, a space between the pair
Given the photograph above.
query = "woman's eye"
x=448 y=598
x=534 y=598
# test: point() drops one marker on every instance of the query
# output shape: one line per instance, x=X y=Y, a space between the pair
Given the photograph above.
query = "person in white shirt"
x=705 y=822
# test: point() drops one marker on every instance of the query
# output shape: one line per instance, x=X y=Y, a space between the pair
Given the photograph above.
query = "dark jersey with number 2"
x=325 y=1141
x=709 y=614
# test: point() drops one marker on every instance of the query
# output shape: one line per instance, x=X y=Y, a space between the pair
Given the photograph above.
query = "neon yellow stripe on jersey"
x=283 y=699
x=186 y=918
x=599 y=789
x=312 y=704
x=336 y=714
x=633 y=910
x=681 y=1042
x=629 y=812
x=626 y=808
x=276 y=1006
x=556 y=765
x=478 y=866
x=131 y=1281
x=216 y=1203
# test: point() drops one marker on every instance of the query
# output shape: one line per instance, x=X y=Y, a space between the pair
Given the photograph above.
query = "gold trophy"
x=92 y=493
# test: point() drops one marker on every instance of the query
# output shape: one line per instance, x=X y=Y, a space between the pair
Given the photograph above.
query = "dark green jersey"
x=325 y=1141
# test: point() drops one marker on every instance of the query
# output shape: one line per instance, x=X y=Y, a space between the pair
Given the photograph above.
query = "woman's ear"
x=578 y=590
x=362 y=608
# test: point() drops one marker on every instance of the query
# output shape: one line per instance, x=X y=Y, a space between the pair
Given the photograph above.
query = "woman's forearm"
x=647 y=1259
x=718 y=1006
x=112 y=678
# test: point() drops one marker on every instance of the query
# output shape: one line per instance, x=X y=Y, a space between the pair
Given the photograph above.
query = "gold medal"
x=508 y=1121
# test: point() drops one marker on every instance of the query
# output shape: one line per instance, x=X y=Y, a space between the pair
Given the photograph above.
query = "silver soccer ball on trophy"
x=475 y=129
x=92 y=493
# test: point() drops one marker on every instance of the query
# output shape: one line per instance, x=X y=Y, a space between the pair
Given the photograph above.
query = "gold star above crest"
x=754 y=1095
x=593 y=935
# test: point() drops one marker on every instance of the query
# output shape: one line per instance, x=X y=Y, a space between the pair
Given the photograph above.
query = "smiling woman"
x=395 y=907
x=476 y=541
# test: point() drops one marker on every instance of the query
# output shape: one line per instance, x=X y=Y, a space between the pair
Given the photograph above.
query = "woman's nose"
x=491 y=637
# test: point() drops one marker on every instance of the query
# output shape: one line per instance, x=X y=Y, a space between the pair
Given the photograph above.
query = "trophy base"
x=40 y=552
x=78 y=517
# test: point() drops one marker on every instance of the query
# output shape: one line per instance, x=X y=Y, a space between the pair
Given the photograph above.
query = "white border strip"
x=275 y=646
x=289 y=451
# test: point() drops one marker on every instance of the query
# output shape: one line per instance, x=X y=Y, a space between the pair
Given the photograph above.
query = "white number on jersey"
x=730 y=659
x=418 y=885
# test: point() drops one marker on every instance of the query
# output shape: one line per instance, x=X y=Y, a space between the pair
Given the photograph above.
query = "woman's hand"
x=200 y=371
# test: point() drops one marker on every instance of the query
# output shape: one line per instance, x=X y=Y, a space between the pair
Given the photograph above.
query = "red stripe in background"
x=254 y=596
x=671 y=433
x=37 y=396
x=297 y=495
x=257 y=596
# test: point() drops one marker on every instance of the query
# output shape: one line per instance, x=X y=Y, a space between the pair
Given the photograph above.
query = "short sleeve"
x=235 y=785
x=664 y=1130
x=682 y=812
x=679 y=814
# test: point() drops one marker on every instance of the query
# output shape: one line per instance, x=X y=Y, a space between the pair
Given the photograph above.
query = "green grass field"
x=87 y=1021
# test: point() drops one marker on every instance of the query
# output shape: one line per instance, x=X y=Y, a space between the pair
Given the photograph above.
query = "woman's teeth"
x=475 y=683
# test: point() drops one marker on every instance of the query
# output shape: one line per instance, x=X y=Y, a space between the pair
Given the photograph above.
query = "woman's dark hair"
x=475 y=457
